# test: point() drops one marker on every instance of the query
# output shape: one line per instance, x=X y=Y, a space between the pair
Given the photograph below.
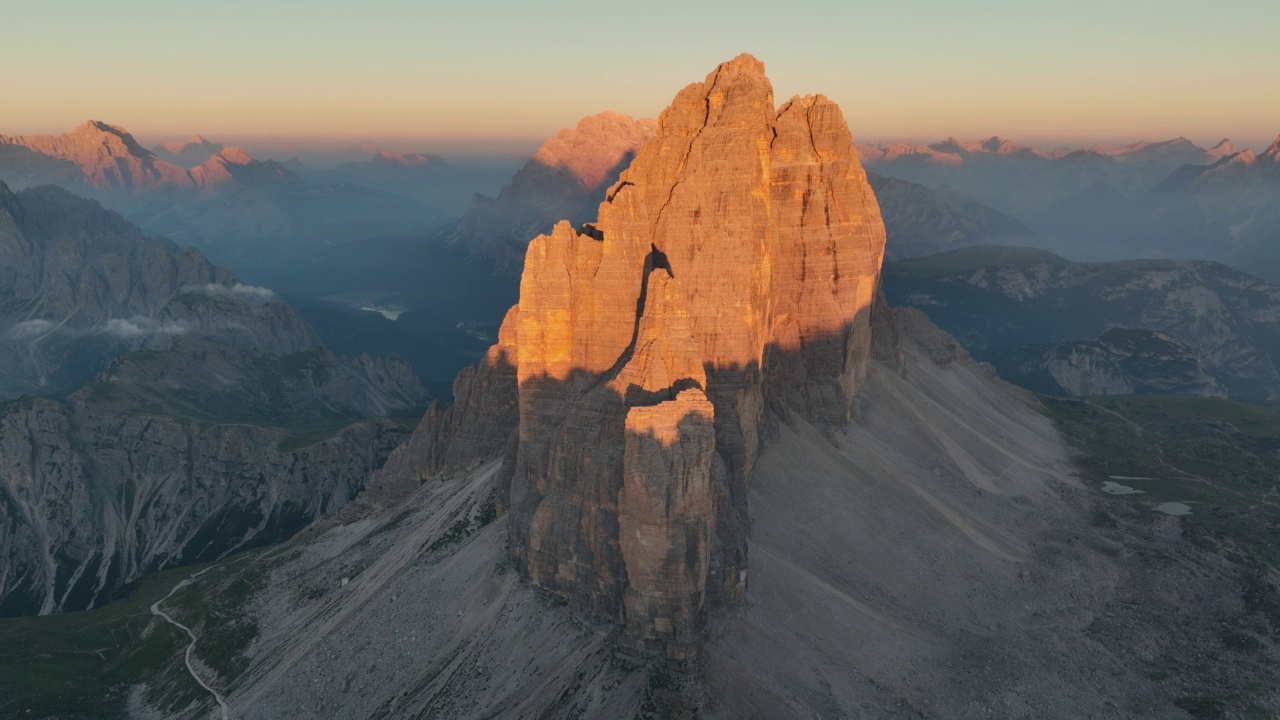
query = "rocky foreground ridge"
x=730 y=276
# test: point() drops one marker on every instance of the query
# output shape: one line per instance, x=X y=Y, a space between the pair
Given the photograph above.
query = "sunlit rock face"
x=731 y=273
x=564 y=179
x=108 y=157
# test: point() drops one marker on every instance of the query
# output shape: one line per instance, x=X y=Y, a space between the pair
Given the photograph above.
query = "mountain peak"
x=1245 y=157
x=109 y=157
x=1272 y=153
x=565 y=179
x=95 y=128
x=746 y=63
x=1224 y=148
x=592 y=151
x=235 y=155
x=731 y=269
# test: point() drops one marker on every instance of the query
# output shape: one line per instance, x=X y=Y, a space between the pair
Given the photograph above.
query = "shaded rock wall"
x=733 y=264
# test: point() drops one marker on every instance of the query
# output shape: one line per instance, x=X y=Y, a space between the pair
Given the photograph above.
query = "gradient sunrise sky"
x=1038 y=72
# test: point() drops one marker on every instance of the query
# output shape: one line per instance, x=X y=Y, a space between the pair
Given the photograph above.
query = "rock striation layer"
x=731 y=272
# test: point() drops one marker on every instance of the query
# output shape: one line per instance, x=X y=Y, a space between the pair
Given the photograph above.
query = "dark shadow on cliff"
x=565 y=461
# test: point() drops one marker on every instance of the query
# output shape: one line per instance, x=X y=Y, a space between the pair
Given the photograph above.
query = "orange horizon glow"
x=1040 y=119
x=512 y=74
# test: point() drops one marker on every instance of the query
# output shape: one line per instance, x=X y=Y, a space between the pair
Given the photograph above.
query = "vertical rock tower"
x=730 y=275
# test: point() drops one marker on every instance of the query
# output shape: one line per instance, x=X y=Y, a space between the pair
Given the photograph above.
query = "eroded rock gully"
x=730 y=274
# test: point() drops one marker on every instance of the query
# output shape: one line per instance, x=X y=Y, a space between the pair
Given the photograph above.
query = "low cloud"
x=240 y=291
x=140 y=326
x=29 y=329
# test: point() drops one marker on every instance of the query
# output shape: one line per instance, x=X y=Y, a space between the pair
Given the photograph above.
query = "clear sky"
x=1040 y=72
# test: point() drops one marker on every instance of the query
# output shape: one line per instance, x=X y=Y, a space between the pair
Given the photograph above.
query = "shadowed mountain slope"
x=185 y=414
x=1196 y=327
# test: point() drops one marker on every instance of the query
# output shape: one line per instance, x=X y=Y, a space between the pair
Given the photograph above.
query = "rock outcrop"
x=731 y=273
x=109 y=158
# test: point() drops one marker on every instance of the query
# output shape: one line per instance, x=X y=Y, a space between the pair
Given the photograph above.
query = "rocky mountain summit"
x=564 y=180
x=730 y=275
x=1164 y=326
x=108 y=157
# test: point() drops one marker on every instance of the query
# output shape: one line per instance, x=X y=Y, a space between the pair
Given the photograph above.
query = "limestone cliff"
x=732 y=269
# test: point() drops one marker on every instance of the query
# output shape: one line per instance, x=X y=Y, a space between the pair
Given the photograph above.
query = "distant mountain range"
x=1133 y=326
x=1022 y=180
x=427 y=178
x=1169 y=199
x=260 y=217
x=922 y=221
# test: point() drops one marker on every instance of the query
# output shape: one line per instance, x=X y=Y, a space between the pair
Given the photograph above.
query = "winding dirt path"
x=155 y=610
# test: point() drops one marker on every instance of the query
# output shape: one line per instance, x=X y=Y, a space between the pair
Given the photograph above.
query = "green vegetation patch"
x=1220 y=457
x=82 y=664
x=216 y=606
